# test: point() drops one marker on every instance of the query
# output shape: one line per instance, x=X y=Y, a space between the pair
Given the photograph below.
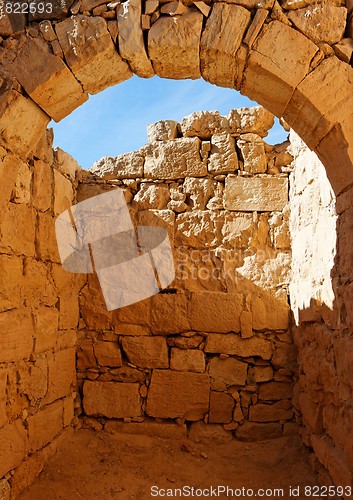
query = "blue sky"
x=115 y=121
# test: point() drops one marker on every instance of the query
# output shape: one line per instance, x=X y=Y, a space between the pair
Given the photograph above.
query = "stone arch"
x=271 y=55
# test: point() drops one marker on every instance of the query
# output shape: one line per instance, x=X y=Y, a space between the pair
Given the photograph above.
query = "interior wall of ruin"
x=321 y=302
x=215 y=347
x=38 y=313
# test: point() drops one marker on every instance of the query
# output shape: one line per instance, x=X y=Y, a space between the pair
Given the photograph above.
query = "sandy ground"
x=105 y=466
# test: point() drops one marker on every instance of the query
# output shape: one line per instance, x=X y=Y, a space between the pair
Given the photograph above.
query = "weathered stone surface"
x=255 y=120
x=151 y=196
x=221 y=408
x=11 y=270
x=233 y=344
x=174 y=159
x=230 y=371
x=13 y=446
x=13 y=346
x=271 y=80
x=130 y=36
x=254 y=156
x=203 y=124
x=198 y=229
x=263 y=194
x=42 y=176
x=223 y=157
x=174 y=46
x=3 y=399
x=17 y=234
x=187 y=360
x=251 y=431
x=66 y=164
x=285 y=356
x=46 y=322
x=220 y=41
x=125 y=166
x=90 y=53
x=146 y=352
x=5 y=489
x=45 y=425
x=216 y=312
x=108 y=354
x=47 y=248
x=63 y=193
x=175 y=394
x=163 y=130
x=22 y=190
x=47 y=80
x=268 y=413
x=270 y=310
x=275 y=391
x=111 y=399
x=246 y=325
x=204 y=433
x=261 y=373
x=323 y=23
x=199 y=191
x=61 y=374
x=169 y=314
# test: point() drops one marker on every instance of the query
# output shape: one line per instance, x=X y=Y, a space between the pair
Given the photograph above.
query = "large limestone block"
x=130 y=36
x=162 y=130
x=254 y=156
x=187 y=360
x=199 y=191
x=230 y=371
x=329 y=90
x=261 y=194
x=9 y=168
x=216 y=311
x=45 y=425
x=169 y=313
x=151 y=196
x=108 y=353
x=46 y=321
x=22 y=122
x=17 y=233
x=90 y=53
x=223 y=157
x=125 y=166
x=175 y=394
x=16 y=339
x=220 y=41
x=111 y=399
x=270 y=310
x=323 y=23
x=13 y=446
x=235 y=345
x=61 y=374
x=174 y=46
x=221 y=408
x=203 y=124
x=11 y=270
x=146 y=352
x=197 y=229
x=174 y=159
x=47 y=80
x=269 y=413
x=254 y=120
x=271 y=80
x=42 y=176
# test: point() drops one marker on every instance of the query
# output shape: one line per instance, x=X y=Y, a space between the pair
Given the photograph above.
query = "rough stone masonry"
x=215 y=347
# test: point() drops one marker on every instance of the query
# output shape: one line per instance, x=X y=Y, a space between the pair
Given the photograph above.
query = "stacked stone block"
x=38 y=313
x=215 y=346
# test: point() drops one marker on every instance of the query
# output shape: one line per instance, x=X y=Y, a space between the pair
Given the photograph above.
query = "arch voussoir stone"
x=90 y=53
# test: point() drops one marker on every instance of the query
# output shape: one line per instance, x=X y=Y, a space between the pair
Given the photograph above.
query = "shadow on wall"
x=321 y=301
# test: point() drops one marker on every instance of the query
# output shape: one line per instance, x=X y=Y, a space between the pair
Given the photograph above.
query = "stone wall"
x=38 y=313
x=215 y=346
x=321 y=300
